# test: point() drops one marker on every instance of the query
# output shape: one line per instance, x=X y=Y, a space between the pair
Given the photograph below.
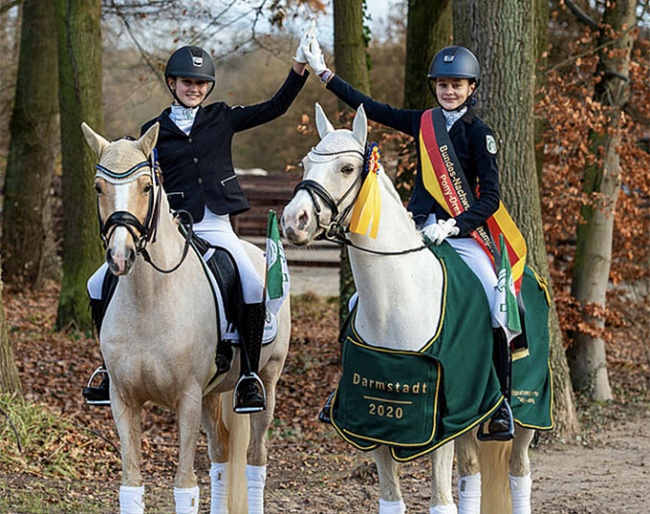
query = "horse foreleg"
x=442 y=463
x=128 y=423
x=469 y=482
x=186 y=492
x=390 y=501
x=520 y=478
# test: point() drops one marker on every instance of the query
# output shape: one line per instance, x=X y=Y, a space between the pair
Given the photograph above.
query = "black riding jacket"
x=197 y=169
x=469 y=137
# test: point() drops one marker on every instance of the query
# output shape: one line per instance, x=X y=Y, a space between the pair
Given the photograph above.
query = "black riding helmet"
x=190 y=62
x=455 y=62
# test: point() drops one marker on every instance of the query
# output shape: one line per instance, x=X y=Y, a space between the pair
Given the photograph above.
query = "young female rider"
x=454 y=75
x=195 y=155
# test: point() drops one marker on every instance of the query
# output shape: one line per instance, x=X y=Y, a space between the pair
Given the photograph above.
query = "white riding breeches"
x=479 y=262
x=217 y=230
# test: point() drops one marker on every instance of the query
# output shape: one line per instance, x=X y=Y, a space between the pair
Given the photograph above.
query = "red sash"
x=444 y=179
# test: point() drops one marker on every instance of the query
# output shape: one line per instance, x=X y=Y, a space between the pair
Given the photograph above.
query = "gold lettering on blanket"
x=397 y=387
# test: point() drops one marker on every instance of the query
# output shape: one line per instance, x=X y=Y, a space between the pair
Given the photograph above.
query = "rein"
x=147 y=230
x=335 y=231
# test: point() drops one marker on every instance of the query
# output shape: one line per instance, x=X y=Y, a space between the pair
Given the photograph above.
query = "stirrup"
x=101 y=370
x=243 y=409
x=484 y=435
x=325 y=415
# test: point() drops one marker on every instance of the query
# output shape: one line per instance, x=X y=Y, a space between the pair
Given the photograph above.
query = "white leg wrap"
x=187 y=500
x=469 y=494
x=256 y=479
x=386 y=507
x=131 y=500
x=443 y=509
x=520 y=489
x=219 y=488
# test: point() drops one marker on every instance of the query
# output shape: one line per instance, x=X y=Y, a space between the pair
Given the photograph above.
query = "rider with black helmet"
x=195 y=154
x=454 y=75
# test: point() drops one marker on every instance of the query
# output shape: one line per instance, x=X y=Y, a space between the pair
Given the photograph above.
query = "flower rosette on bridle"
x=367 y=208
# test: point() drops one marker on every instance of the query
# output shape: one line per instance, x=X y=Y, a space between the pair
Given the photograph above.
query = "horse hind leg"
x=217 y=451
x=520 y=477
x=390 y=501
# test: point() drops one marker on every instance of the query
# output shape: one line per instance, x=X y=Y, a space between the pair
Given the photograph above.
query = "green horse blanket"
x=416 y=401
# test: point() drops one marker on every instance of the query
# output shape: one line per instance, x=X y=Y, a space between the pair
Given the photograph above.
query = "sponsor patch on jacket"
x=491 y=144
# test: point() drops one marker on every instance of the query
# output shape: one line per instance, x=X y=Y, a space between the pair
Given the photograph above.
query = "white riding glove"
x=438 y=232
x=313 y=53
x=300 y=56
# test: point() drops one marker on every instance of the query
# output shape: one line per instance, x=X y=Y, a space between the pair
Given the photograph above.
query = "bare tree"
x=30 y=167
x=592 y=263
x=502 y=36
x=80 y=99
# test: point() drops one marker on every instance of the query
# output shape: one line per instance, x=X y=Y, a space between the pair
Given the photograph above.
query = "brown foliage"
x=571 y=114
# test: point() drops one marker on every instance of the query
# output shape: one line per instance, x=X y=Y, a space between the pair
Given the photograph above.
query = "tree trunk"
x=351 y=58
x=592 y=263
x=503 y=39
x=80 y=99
x=9 y=379
x=430 y=26
x=27 y=230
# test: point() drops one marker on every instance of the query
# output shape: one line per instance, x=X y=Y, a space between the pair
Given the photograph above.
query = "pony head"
x=332 y=179
x=127 y=192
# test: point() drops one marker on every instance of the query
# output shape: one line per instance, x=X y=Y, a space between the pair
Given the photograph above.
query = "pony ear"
x=148 y=141
x=323 y=125
x=96 y=142
x=360 y=125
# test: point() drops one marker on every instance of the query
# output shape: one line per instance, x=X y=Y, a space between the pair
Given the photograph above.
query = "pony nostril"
x=303 y=220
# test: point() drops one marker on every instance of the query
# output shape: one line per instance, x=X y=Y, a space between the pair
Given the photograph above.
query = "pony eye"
x=147 y=189
x=98 y=188
x=347 y=169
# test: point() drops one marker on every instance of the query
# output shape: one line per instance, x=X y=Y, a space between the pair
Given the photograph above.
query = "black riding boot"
x=97 y=395
x=501 y=425
x=249 y=392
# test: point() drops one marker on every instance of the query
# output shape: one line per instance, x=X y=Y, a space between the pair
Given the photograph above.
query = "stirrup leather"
x=101 y=370
x=243 y=409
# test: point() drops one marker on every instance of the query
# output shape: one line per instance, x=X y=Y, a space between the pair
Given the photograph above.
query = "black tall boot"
x=501 y=425
x=97 y=395
x=250 y=395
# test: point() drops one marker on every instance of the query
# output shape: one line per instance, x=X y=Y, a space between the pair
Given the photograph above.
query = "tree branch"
x=581 y=15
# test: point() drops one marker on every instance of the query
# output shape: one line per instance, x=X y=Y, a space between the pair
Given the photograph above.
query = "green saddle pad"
x=416 y=401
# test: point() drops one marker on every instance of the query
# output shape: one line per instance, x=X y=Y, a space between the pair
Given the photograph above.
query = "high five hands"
x=310 y=50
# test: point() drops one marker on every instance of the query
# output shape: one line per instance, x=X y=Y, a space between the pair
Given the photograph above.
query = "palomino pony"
x=159 y=339
x=402 y=297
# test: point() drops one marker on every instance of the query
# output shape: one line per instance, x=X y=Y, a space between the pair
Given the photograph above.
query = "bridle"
x=142 y=233
x=336 y=229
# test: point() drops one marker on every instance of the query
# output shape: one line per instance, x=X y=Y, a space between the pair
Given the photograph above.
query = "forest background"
x=251 y=64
